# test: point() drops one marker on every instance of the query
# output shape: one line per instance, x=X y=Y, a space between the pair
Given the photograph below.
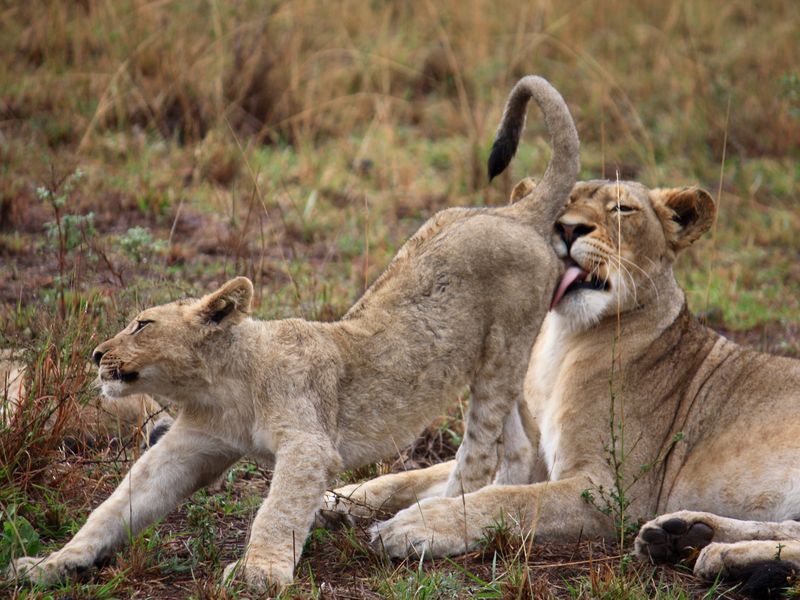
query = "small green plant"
x=138 y=243
x=616 y=501
x=790 y=84
x=19 y=538
x=421 y=584
x=778 y=550
x=68 y=230
x=74 y=229
x=200 y=517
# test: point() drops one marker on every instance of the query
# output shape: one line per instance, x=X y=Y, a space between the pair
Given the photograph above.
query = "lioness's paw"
x=261 y=576
x=429 y=528
x=337 y=510
x=711 y=562
x=347 y=505
x=673 y=537
x=757 y=562
x=60 y=566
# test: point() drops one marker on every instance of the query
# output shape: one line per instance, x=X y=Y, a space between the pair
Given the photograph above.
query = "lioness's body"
x=705 y=424
x=460 y=304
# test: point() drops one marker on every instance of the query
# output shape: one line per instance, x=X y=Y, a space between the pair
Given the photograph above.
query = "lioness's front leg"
x=304 y=464
x=551 y=510
x=385 y=495
x=184 y=460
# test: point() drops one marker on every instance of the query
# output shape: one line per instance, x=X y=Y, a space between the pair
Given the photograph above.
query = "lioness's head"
x=618 y=241
x=164 y=349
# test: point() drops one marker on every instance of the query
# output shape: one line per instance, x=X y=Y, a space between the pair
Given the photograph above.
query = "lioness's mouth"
x=575 y=278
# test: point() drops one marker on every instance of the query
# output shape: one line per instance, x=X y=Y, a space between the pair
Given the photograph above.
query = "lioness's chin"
x=581 y=309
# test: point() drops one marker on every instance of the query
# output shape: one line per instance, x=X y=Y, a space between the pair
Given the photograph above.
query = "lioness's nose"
x=572 y=231
x=97 y=355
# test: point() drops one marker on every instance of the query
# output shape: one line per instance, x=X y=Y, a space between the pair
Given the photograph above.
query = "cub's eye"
x=622 y=208
x=141 y=325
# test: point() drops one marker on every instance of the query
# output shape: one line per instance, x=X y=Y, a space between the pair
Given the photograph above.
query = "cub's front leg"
x=304 y=464
x=184 y=460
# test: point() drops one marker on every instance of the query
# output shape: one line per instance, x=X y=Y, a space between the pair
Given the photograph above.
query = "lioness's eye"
x=141 y=325
x=622 y=208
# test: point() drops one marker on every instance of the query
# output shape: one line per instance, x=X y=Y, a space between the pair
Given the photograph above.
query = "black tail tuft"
x=767 y=579
x=503 y=150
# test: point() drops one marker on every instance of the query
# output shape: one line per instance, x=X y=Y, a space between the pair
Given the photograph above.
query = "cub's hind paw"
x=673 y=538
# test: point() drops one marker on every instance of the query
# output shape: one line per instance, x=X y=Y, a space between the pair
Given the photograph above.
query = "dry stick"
x=618 y=336
x=366 y=242
x=606 y=75
x=712 y=255
x=216 y=19
x=464 y=512
x=577 y=562
x=254 y=178
x=463 y=98
x=602 y=141
x=107 y=97
x=172 y=231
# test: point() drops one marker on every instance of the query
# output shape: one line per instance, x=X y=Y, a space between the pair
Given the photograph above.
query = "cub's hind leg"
x=495 y=392
x=520 y=463
x=183 y=461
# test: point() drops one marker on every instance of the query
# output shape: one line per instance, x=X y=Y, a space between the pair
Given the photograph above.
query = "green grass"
x=300 y=143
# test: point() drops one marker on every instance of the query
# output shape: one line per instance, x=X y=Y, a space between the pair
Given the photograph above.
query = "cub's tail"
x=550 y=195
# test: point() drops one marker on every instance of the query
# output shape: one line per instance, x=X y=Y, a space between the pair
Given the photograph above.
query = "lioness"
x=708 y=425
x=460 y=304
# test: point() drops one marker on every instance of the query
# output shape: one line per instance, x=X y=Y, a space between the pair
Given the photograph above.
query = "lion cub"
x=461 y=303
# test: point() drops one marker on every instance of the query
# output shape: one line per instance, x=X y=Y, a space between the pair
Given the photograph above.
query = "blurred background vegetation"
x=152 y=149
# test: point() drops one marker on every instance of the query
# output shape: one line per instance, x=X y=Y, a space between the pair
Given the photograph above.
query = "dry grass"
x=300 y=143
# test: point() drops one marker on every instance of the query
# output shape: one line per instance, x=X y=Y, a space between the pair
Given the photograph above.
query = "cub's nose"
x=97 y=355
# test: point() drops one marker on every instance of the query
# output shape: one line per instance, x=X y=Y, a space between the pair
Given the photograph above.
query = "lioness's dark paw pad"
x=675 y=526
x=673 y=540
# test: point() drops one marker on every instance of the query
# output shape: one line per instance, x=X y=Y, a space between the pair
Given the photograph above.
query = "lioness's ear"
x=522 y=189
x=230 y=304
x=687 y=213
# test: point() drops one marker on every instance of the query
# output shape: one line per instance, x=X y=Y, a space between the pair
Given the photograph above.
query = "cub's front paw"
x=262 y=576
x=64 y=565
x=673 y=537
x=432 y=527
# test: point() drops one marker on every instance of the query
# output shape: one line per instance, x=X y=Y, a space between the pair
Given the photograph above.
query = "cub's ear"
x=229 y=305
x=522 y=189
x=687 y=213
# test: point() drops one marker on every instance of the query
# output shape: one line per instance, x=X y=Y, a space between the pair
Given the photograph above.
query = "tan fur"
x=459 y=304
x=736 y=409
x=12 y=385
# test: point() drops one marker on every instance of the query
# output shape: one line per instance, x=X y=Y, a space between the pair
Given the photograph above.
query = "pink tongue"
x=573 y=274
